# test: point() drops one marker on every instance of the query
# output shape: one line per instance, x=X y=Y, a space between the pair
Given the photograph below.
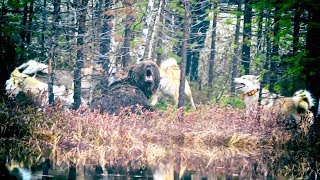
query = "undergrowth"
x=208 y=135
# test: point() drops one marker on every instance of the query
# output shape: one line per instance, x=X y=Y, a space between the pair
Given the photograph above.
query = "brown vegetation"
x=209 y=135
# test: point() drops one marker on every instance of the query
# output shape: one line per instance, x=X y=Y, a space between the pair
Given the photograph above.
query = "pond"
x=181 y=163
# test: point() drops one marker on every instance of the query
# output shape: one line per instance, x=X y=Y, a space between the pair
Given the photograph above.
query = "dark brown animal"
x=135 y=89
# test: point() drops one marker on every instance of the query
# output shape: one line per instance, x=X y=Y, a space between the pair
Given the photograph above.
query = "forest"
x=224 y=39
x=214 y=42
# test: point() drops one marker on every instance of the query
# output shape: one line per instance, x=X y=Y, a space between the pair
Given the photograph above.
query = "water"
x=265 y=163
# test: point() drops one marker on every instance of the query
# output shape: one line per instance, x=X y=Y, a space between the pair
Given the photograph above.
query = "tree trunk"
x=247 y=31
x=149 y=48
x=105 y=45
x=236 y=50
x=259 y=33
x=296 y=28
x=23 y=32
x=312 y=60
x=160 y=36
x=97 y=21
x=311 y=64
x=185 y=40
x=51 y=63
x=82 y=9
x=145 y=31
x=28 y=34
x=266 y=76
x=213 y=49
x=275 y=50
x=125 y=57
x=43 y=30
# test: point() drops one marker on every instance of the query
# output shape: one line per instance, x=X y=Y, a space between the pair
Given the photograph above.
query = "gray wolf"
x=20 y=82
x=170 y=82
x=32 y=67
x=296 y=106
x=65 y=77
x=135 y=89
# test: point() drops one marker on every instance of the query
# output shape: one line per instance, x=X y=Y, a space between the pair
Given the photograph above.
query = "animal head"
x=170 y=62
x=247 y=83
x=146 y=76
x=12 y=85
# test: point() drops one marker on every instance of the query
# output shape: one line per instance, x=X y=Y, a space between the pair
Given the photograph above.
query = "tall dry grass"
x=211 y=133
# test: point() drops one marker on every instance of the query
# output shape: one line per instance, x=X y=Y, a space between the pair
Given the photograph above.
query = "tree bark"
x=146 y=31
x=28 y=34
x=275 y=50
x=247 y=32
x=82 y=9
x=236 y=50
x=51 y=63
x=185 y=40
x=105 y=45
x=259 y=33
x=311 y=62
x=213 y=49
x=43 y=30
x=149 y=52
x=125 y=57
x=296 y=28
x=160 y=36
x=266 y=76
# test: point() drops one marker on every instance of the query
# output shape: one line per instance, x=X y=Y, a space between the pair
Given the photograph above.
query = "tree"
x=213 y=48
x=236 y=49
x=275 y=49
x=185 y=40
x=311 y=62
x=247 y=33
x=51 y=62
x=127 y=34
x=82 y=9
x=105 y=44
x=198 y=27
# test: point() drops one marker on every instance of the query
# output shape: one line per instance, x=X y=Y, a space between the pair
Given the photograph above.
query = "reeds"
x=206 y=137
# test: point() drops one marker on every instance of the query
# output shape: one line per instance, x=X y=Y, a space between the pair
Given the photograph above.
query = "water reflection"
x=266 y=163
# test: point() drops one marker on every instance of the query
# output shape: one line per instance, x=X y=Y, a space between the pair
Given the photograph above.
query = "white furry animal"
x=170 y=82
x=32 y=67
x=65 y=77
x=297 y=105
x=20 y=82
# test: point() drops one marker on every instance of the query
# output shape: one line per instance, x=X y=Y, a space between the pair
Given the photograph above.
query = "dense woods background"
x=215 y=41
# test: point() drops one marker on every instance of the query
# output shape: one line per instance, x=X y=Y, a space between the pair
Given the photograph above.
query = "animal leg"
x=154 y=100
x=188 y=93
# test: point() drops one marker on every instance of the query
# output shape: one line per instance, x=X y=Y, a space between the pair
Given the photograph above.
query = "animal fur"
x=140 y=83
x=32 y=67
x=296 y=106
x=65 y=78
x=20 y=82
x=170 y=82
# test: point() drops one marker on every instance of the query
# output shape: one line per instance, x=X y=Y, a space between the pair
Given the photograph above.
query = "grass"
x=209 y=133
x=206 y=136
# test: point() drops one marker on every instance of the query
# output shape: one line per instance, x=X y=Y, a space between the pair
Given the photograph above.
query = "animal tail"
x=303 y=100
